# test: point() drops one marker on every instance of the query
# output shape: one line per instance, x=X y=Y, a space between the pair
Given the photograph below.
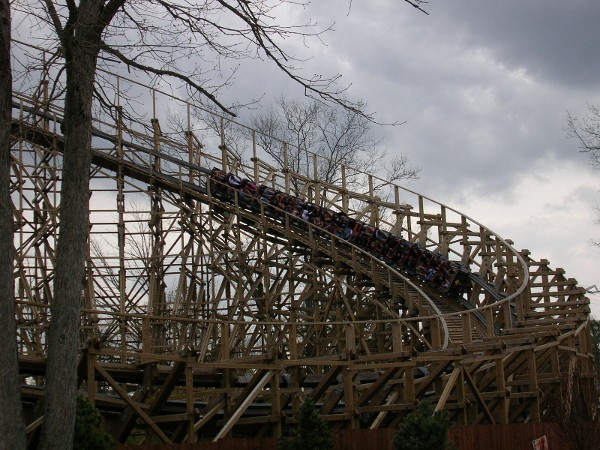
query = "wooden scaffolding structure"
x=203 y=319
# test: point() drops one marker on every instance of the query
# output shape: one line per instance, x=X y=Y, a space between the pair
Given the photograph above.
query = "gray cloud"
x=553 y=39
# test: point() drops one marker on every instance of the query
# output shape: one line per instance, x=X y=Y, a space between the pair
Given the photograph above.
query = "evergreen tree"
x=311 y=433
x=423 y=429
x=89 y=434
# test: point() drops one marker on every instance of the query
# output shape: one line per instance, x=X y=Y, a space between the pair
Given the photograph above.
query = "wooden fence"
x=488 y=437
x=505 y=437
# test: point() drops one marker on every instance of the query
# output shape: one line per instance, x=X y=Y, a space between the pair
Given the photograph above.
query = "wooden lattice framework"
x=202 y=319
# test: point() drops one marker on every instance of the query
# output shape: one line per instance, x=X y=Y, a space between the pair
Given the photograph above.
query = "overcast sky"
x=485 y=88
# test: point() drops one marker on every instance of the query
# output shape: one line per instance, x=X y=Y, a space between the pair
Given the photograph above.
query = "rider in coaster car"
x=249 y=188
x=218 y=180
x=378 y=242
x=315 y=216
x=265 y=195
x=233 y=180
x=366 y=236
x=234 y=183
x=306 y=211
x=296 y=207
x=390 y=250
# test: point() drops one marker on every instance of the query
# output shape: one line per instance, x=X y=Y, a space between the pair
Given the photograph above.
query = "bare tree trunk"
x=81 y=48
x=12 y=428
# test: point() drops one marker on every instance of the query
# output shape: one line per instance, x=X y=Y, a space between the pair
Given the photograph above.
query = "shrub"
x=311 y=433
x=89 y=434
x=423 y=429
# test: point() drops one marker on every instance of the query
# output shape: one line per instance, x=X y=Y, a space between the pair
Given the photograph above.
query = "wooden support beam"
x=478 y=396
x=378 y=385
x=207 y=415
x=167 y=387
x=350 y=397
x=133 y=405
x=241 y=408
x=320 y=389
x=432 y=377
x=382 y=413
x=189 y=391
x=448 y=389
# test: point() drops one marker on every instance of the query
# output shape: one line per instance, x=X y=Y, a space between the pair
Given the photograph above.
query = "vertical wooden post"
x=501 y=387
x=223 y=147
x=350 y=334
x=227 y=375
x=436 y=333
x=121 y=231
x=423 y=230
x=533 y=384
x=443 y=244
x=157 y=285
x=276 y=402
x=45 y=100
x=316 y=182
x=345 y=198
x=397 y=212
x=286 y=168
x=489 y=322
x=374 y=213
x=397 y=344
x=189 y=385
x=350 y=397
x=409 y=385
x=254 y=157
x=466 y=327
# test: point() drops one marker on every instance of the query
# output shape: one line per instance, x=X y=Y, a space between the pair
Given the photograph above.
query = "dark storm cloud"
x=484 y=86
x=555 y=40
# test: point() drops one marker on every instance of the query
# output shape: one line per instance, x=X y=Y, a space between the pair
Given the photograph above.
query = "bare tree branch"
x=170 y=73
x=337 y=136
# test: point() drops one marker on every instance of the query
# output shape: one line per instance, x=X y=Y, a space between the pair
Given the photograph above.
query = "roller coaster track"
x=203 y=318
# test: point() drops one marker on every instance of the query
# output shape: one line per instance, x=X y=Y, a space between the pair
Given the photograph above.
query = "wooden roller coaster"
x=203 y=318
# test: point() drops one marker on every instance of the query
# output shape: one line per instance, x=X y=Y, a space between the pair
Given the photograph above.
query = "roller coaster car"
x=451 y=274
x=434 y=269
x=366 y=237
x=411 y=259
x=304 y=210
x=425 y=263
x=328 y=223
x=339 y=224
x=341 y=219
x=295 y=209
